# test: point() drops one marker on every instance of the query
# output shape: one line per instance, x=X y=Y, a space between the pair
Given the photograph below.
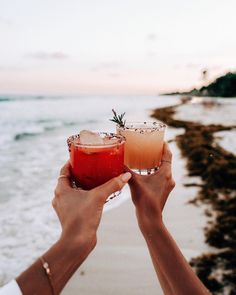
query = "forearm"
x=171 y=262
x=63 y=259
x=166 y=287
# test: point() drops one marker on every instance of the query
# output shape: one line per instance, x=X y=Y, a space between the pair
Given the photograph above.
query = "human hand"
x=150 y=192
x=80 y=211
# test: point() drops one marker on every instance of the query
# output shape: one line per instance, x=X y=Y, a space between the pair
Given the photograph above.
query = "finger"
x=135 y=175
x=112 y=186
x=126 y=169
x=65 y=170
x=64 y=178
x=54 y=203
x=166 y=155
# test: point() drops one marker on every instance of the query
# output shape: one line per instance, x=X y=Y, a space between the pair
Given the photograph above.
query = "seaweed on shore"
x=217 y=169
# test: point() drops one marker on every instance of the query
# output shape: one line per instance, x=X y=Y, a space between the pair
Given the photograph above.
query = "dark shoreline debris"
x=217 y=169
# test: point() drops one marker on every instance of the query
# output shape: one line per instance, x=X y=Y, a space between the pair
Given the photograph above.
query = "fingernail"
x=126 y=176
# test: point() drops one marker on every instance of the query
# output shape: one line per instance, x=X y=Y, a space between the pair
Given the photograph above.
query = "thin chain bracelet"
x=48 y=273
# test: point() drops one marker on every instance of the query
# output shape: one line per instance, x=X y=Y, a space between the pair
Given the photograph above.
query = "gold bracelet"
x=48 y=273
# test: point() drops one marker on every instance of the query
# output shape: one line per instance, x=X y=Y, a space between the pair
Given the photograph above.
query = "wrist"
x=151 y=228
x=77 y=244
x=64 y=258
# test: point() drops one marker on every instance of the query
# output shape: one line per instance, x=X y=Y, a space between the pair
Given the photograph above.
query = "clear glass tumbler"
x=144 y=145
x=95 y=164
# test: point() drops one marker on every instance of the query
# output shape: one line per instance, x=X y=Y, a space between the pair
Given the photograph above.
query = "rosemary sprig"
x=118 y=119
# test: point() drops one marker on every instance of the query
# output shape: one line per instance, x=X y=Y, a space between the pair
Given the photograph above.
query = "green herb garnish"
x=118 y=119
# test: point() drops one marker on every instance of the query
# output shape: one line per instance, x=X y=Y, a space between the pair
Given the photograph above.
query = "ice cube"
x=110 y=140
x=89 y=137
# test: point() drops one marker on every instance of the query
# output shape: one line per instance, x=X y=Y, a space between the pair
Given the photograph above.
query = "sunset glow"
x=113 y=47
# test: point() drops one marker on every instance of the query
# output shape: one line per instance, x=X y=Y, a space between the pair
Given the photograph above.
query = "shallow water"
x=223 y=112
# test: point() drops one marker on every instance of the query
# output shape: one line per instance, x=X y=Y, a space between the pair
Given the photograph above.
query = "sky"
x=114 y=46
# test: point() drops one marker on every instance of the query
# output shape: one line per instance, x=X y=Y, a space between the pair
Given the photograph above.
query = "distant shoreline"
x=217 y=169
x=224 y=86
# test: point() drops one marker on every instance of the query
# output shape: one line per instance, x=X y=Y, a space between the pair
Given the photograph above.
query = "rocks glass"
x=144 y=145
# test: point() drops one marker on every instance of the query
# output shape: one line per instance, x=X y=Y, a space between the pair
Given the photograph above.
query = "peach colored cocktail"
x=144 y=145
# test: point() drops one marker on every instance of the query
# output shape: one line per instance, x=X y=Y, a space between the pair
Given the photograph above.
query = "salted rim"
x=120 y=140
x=135 y=126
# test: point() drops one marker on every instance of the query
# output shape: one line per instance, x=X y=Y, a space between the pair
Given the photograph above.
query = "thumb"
x=113 y=185
x=166 y=155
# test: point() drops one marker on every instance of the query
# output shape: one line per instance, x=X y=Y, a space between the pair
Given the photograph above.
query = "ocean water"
x=33 y=133
x=223 y=112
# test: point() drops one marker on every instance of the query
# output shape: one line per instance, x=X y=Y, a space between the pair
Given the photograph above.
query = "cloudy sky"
x=113 y=46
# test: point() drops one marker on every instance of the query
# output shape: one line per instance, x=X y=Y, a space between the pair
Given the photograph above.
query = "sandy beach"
x=120 y=264
x=32 y=151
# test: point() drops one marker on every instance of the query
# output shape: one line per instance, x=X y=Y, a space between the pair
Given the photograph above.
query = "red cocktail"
x=94 y=164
